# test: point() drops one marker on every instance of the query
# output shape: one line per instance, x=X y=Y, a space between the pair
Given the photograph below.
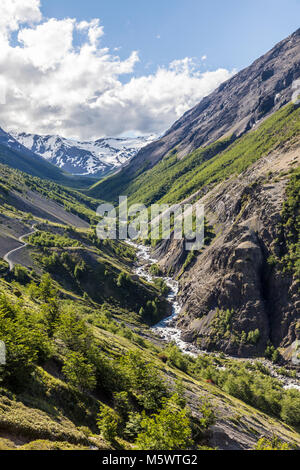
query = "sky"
x=89 y=69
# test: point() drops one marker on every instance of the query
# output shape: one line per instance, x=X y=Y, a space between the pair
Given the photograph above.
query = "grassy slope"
x=172 y=180
x=51 y=414
x=77 y=260
x=71 y=200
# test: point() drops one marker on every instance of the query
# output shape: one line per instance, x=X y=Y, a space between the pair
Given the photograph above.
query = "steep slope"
x=173 y=179
x=240 y=294
x=94 y=158
x=15 y=155
x=237 y=106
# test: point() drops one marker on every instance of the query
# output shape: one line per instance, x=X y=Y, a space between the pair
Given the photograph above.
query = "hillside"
x=239 y=294
x=250 y=267
x=75 y=320
x=173 y=179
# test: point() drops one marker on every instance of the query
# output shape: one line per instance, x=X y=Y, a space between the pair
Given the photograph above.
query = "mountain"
x=94 y=158
x=237 y=152
x=237 y=106
x=239 y=294
x=16 y=155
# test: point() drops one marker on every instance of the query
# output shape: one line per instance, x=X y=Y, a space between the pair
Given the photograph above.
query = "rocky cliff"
x=235 y=297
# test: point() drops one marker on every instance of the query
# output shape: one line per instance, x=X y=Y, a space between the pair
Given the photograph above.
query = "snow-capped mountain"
x=94 y=158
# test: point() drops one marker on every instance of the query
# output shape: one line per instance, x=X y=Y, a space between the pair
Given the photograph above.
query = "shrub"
x=272 y=444
x=108 y=422
x=143 y=381
x=79 y=372
x=169 y=429
x=133 y=426
x=290 y=407
x=21 y=274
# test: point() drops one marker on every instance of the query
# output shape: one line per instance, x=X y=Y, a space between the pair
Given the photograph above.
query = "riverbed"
x=167 y=329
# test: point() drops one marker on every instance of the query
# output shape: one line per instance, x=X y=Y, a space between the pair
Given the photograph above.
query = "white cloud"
x=53 y=86
x=95 y=31
x=48 y=44
x=15 y=12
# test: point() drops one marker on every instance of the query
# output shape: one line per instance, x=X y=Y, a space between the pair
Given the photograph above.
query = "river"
x=167 y=329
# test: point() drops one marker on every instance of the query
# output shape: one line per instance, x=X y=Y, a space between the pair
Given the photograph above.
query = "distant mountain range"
x=16 y=155
x=91 y=158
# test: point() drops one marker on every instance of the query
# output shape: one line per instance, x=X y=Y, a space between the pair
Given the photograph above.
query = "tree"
x=253 y=336
x=169 y=429
x=272 y=444
x=133 y=426
x=21 y=274
x=74 y=332
x=290 y=407
x=51 y=313
x=123 y=279
x=79 y=372
x=207 y=413
x=144 y=381
x=107 y=422
x=26 y=342
x=46 y=291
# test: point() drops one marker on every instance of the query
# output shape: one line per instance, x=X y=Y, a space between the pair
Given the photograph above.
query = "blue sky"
x=87 y=69
x=232 y=33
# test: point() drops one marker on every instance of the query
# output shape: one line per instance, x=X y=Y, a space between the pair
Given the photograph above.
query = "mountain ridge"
x=235 y=107
x=84 y=158
x=16 y=155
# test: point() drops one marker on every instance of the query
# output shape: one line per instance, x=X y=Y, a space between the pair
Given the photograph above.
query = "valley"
x=116 y=344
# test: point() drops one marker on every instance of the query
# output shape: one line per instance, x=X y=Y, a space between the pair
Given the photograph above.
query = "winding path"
x=6 y=257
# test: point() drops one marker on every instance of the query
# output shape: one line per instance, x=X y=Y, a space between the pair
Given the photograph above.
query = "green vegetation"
x=169 y=429
x=83 y=367
x=104 y=377
x=252 y=384
x=71 y=200
x=272 y=444
x=288 y=242
x=48 y=239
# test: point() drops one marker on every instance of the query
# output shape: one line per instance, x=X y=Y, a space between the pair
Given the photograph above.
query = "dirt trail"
x=6 y=257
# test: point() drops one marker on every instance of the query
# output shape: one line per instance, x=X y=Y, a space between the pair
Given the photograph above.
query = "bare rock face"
x=234 y=108
x=233 y=299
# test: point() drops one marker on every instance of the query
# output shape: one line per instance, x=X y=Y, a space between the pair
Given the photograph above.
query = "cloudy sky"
x=62 y=73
